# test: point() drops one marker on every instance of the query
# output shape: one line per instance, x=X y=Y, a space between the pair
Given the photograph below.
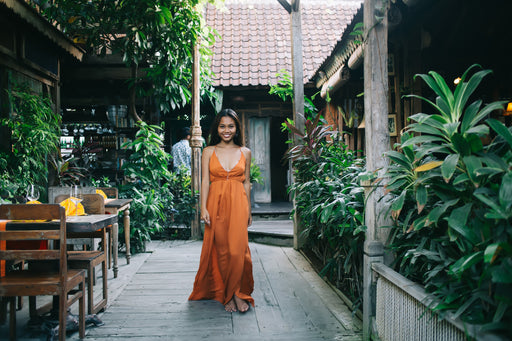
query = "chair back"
x=110 y=192
x=27 y=225
x=54 y=191
x=93 y=203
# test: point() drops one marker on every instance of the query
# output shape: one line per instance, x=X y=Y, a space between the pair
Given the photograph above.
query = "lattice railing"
x=402 y=311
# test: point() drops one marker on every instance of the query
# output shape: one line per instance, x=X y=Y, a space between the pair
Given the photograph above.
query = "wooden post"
x=196 y=142
x=298 y=94
x=377 y=143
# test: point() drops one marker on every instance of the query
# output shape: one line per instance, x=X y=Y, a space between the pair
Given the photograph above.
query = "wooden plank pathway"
x=292 y=301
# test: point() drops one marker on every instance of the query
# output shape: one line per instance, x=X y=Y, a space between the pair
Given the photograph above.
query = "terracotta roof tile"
x=255 y=38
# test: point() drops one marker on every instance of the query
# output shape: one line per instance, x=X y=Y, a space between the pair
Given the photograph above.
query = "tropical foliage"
x=160 y=198
x=147 y=170
x=329 y=202
x=35 y=133
x=154 y=37
x=284 y=90
x=451 y=203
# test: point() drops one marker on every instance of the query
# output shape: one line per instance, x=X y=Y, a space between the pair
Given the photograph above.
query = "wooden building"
x=254 y=45
x=31 y=52
x=442 y=36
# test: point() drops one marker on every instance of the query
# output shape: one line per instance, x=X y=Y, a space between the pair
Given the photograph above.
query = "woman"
x=225 y=268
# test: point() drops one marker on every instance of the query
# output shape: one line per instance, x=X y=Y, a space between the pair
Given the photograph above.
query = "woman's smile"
x=227 y=129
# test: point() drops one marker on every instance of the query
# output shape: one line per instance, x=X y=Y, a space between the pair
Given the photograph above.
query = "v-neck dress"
x=225 y=266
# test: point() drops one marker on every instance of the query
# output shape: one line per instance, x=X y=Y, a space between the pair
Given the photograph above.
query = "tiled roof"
x=255 y=39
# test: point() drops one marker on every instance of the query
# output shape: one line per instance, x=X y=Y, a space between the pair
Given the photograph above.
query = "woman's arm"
x=247 y=182
x=205 y=183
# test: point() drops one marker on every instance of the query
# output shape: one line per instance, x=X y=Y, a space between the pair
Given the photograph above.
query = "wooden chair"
x=111 y=193
x=34 y=281
x=90 y=259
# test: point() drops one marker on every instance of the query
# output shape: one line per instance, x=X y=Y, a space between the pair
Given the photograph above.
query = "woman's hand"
x=249 y=223
x=205 y=216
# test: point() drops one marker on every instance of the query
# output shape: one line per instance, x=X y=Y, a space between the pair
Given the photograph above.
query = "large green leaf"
x=437 y=211
x=460 y=144
x=505 y=193
x=451 y=128
x=425 y=129
x=400 y=159
x=501 y=129
x=470 y=113
x=421 y=139
x=502 y=274
x=480 y=130
x=443 y=91
x=459 y=179
x=421 y=197
x=497 y=211
x=397 y=205
x=473 y=164
x=475 y=142
x=464 y=263
x=491 y=252
x=494 y=161
x=448 y=166
x=458 y=222
x=468 y=88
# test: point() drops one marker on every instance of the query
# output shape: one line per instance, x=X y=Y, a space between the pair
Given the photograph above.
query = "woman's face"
x=226 y=129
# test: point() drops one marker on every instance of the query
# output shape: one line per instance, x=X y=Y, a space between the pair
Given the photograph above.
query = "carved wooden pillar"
x=377 y=143
x=196 y=142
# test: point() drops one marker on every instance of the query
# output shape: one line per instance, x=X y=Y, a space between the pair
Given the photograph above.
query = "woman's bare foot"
x=241 y=304
x=231 y=306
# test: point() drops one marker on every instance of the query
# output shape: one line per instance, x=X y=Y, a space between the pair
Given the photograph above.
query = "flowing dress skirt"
x=225 y=267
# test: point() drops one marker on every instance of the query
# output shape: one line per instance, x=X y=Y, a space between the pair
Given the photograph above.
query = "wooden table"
x=75 y=225
x=114 y=206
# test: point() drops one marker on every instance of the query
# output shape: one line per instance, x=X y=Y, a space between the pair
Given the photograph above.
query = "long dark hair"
x=214 y=130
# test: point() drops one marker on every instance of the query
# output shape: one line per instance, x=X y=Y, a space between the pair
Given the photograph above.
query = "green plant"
x=310 y=146
x=147 y=169
x=284 y=89
x=450 y=200
x=74 y=168
x=67 y=171
x=35 y=133
x=153 y=36
x=102 y=182
x=330 y=203
x=256 y=177
x=183 y=199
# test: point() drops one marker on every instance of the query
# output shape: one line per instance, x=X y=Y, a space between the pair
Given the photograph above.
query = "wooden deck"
x=292 y=302
x=148 y=301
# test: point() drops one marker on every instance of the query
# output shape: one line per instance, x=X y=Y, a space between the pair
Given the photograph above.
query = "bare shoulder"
x=208 y=151
x=247 y=152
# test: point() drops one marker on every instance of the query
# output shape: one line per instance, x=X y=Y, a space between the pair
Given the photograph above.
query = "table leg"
x=115 y=246
x=126 y=222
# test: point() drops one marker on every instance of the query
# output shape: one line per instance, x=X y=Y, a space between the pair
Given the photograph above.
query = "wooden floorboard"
x=290 y=302
x=149 y=301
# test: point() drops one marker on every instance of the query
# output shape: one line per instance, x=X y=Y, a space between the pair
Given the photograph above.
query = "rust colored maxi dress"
x=225 y=266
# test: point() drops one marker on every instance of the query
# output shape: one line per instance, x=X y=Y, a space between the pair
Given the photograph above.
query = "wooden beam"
x=100 y=72
x=31 y=70
x=27 y=13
